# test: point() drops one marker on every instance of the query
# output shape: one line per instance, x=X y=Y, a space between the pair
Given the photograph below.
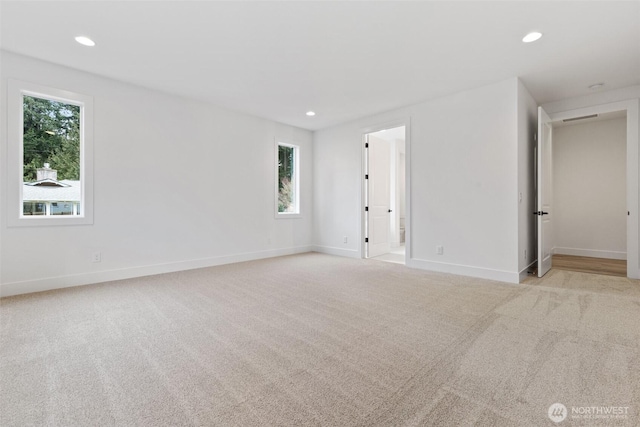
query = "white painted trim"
x=524 y=273
x=466 y=270
x=330 y=250
x=296 y=171
x=14 y=160
x=632 y=107
x=593 y=253
x=60 y=282
x=408 y=225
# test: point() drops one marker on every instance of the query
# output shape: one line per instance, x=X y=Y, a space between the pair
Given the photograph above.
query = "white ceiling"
x=343 y=60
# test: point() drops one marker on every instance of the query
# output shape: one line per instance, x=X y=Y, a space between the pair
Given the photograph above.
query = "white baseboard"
x=466 y=270
x=330 y=250
x=524 y=273
x=594 y=253
x=50 y=283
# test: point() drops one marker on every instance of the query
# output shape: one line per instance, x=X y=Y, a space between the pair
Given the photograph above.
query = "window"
x=64 y=208
x=287 y=180
x=50 y=156
x=32 y=208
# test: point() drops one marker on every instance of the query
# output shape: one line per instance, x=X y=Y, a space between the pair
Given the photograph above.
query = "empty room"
x=319 y=213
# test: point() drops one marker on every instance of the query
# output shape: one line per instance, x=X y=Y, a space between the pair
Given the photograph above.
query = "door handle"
x=540 y=213
x=390 y=210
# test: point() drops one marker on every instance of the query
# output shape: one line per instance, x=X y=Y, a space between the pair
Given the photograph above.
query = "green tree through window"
x=51 y=135
x=287 y=193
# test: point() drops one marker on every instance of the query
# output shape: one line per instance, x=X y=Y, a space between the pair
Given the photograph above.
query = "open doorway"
x=589 y=192
x=385 y=195
x=585 y=195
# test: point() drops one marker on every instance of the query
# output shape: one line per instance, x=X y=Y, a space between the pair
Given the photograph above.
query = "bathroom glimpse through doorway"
x=385 y=195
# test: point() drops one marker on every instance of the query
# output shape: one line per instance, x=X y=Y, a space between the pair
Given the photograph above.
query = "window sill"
x=280 y=215
x=50 y=220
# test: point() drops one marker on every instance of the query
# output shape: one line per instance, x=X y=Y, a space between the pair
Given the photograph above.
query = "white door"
x=544 y=212
x=379 y=196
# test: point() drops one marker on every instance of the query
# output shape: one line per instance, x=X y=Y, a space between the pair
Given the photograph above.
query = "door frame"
x=632 y=108
x=406 y=122
x=544 y=190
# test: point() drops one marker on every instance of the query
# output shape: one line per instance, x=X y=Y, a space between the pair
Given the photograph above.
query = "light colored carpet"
x=313 y=339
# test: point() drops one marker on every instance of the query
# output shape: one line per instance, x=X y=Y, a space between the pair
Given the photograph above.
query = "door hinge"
x=366 y=240
x=366 y=208
x=366 y=176
x=366 y=145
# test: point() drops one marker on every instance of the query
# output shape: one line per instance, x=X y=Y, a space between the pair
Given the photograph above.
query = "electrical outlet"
x=440 y=250
x=344 y=239
x=96 y=257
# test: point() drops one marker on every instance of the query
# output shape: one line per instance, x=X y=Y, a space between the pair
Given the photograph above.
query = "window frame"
x=296 y=174
x=15 y=158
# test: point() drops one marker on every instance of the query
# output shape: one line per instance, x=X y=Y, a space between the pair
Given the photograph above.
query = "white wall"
x=463 y=184
x=337 y=190
x=527 y=128
x=589 y=189
x=178 y=184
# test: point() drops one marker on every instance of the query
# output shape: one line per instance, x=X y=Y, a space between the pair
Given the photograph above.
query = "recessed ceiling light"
x=596 y=86
x=531 y=37
x=86 y=41
x=311 y=113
